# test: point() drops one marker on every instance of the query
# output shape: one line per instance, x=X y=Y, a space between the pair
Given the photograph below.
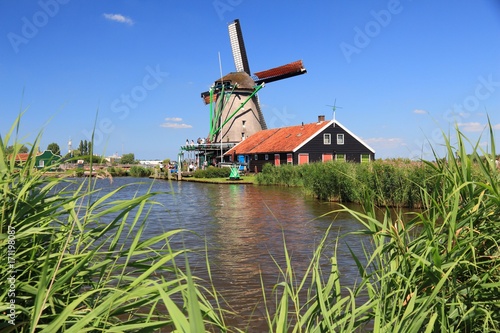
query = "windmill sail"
x=281 y=72
x=238 y=47
x=235 y=111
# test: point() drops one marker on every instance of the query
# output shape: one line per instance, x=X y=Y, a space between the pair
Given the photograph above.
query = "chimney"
x=321 y=118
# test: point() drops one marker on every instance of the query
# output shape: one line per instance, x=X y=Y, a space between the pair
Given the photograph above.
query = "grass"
x=77 y=261
x=438 y=272
x=69 y=269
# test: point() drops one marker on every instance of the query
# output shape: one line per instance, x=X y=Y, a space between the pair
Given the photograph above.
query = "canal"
x=243 y=228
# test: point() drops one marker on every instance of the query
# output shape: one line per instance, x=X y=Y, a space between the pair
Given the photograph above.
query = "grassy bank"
x=390 y=182
x=64 y=270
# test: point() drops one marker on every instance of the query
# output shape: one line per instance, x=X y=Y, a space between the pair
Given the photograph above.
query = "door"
x=277 y=159
x=303 y=158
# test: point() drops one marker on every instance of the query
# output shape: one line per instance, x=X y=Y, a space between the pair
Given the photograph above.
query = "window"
x=340 y=139
x=242 y=136
x=365 y=158
x=41 y=163
x=256 y=157
x=340 y=157
x=243 y=122
x=267 y=157
x=289 y=159
x=327 y=139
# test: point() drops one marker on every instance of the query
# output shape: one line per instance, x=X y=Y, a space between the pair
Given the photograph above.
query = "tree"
x=22 y=150
x=54 y=148
x=128 y=158
x=85 y=148
x=80 y=148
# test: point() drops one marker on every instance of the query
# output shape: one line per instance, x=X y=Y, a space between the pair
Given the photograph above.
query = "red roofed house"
x=316 y=142
x=45 y=159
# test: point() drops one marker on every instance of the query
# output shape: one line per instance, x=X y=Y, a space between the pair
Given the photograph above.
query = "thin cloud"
x=176 y=119
x=175 y=125
x=472 y=127
x=420 y=111
x=119 y=18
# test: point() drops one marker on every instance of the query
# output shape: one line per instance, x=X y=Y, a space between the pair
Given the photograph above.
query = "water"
x=243 y=228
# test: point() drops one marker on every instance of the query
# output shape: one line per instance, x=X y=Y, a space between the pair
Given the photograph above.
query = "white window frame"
x=340 y=139
x=327 y=139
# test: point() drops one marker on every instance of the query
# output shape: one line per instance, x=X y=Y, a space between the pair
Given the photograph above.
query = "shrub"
x=117 y=171
x=138 y=171
x=212 y=172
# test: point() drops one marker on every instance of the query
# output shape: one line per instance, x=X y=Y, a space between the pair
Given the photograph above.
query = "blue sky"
x=401 y=71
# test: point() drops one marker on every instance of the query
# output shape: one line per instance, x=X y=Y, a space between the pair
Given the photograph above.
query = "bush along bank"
x=390 y=182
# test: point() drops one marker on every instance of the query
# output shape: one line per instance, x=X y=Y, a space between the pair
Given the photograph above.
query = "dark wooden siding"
x=262 y=160
x=352 y=148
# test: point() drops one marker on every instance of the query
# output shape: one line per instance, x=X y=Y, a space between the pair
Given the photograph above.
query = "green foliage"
x=436 y=270
x=18 y=150
x=212 y=172
x=139 y=171
x=395 y=182
x=82 y=263
x=54 y=148
x=285 y=175
x=74 y=261
x=127 y=159
x=117 y=171
x=92 y=158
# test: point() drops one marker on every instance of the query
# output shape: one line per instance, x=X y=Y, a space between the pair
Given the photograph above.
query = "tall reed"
x=76 y=261
x=394 y=182
x=437 y=272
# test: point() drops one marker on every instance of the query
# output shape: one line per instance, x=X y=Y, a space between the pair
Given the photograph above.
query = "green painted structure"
x=46 y=159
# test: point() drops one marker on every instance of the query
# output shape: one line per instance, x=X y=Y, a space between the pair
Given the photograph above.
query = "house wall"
x=352 y=148
x=259 y=163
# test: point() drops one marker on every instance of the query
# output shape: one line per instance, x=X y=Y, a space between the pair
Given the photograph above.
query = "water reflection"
x=243 y=227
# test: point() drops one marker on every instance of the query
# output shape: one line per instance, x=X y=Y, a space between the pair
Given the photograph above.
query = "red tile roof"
x=22 y=157
x=284 y=139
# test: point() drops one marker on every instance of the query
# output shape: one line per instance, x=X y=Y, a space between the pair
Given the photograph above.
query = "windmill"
x=334 y=108
x=235 y=111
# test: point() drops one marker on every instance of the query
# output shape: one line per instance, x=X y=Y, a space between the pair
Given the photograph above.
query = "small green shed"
x=46 y=159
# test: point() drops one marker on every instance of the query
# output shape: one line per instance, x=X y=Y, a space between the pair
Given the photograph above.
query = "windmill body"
x=235 y=112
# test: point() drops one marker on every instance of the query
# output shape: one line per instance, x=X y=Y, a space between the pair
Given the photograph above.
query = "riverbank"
x=244 y=180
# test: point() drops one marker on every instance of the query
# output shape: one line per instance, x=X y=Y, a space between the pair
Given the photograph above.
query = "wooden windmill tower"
x=235 y=112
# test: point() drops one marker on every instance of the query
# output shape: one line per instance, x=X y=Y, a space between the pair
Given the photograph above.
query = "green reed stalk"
x=81 y=261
